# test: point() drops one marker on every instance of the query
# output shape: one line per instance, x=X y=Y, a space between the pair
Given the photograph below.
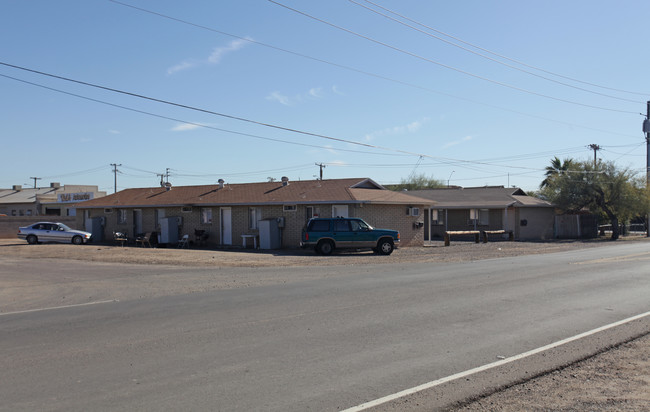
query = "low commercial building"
x=55 y=200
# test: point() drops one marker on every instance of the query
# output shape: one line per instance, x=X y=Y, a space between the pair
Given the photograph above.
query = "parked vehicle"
x=327 y=234
x=52 y=232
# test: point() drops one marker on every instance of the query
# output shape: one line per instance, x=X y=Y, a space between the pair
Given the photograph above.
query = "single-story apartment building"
x=55 y=200
x=245 y=214
x=487 y=208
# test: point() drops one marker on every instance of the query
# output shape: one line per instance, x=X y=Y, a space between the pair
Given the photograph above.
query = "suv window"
x=319 y=226
x=358 y=225
x=341 y=226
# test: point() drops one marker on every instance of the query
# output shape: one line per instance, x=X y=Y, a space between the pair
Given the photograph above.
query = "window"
x=108 y=211
x=186 y=209
x=480 y=216
x=289 y=208
x=319 y=226
x=206 y=216
x=72 y=212
x=358 y=226
x=436 y=217
x=341 y=226
x=484 y=217
x=121 y=216
x=254 y=216
x=29 y=212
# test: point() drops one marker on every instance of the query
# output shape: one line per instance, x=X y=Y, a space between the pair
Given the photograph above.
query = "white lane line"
x=60 y=307
x=469 y=372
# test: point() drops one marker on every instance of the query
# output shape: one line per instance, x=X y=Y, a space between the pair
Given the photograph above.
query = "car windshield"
x=64 y=227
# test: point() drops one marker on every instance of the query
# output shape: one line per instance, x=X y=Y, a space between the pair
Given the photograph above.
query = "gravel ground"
x=616 y=380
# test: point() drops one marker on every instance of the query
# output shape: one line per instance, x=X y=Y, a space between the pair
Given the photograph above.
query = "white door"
x=226 y=226
x=340 y=211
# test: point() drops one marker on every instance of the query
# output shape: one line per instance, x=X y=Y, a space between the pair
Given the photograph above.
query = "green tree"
x=418 y=182
x=557 y=168
x=602 y=188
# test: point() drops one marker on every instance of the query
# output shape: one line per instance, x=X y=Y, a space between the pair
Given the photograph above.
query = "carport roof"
x=359 y=190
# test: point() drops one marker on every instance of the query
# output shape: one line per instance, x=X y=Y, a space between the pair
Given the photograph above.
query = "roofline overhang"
x=320 y=202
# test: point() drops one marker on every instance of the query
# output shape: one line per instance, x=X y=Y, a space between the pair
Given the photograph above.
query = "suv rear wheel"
x=325 y=247
x=385 y=246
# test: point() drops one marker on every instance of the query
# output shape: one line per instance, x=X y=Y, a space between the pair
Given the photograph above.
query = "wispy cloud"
x=184 y=127
x=114 y=132
x=311 y=94
x=219 y=52
x=182 y=66
x=217 y=55
x=457 y=142
x=280 y=98
x=412 y=127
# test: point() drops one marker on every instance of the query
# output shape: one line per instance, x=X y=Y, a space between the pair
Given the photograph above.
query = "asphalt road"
x=326 y=343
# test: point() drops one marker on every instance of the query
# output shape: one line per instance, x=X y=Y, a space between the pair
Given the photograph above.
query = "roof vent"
x=55 y=185
x=17 y=188
x=168 y=186
x=221 y=183
x=285 y=181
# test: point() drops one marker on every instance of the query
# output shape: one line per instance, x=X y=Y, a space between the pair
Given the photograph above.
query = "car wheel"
x=77 y=240
x=32 y=240
x=385 y=247
x=325 y=247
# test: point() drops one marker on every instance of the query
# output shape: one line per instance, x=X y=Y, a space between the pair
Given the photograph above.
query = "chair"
x=120 y=237
x=184 y=242
x=200 y=237
x=144 y=240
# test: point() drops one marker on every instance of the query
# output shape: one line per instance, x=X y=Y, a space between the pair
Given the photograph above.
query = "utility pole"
x=35 y=179
x=646 y=130
x=115 y=175
x=595 y=148
x=321 y=166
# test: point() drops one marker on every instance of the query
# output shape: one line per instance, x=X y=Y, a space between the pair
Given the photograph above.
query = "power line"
x=366 y=73
x=493 y=59
x=463 y=163
x=206 y=126
x=489 y=51
x=228 y=116
x=417 y=56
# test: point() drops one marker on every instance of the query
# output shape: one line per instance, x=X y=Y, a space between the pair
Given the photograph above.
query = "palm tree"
x=557 y=168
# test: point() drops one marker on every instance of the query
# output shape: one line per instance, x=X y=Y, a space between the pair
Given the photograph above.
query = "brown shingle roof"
x=358 y=190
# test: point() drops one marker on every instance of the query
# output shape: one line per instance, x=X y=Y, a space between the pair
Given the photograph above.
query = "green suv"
x=325 y=235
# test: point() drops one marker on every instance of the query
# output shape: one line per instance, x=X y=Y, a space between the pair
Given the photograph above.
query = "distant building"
x=55 y=200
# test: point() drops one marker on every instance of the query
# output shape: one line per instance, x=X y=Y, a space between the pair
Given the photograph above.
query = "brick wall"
x=382 y=216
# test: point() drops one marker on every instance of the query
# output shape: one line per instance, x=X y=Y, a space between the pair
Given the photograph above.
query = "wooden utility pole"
x=321 y=166
x=595 y=148
x=115 y=175
x=35 y=179
x=646 y=130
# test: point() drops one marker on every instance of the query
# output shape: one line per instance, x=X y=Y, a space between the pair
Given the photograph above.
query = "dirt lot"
x=616 y=380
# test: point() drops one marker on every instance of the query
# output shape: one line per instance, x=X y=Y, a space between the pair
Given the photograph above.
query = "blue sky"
x=269 y=89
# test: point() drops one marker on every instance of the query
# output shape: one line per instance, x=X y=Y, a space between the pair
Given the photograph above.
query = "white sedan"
x=52 y=232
